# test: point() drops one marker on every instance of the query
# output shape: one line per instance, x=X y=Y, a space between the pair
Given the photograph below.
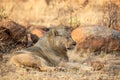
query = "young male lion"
x=49 y=51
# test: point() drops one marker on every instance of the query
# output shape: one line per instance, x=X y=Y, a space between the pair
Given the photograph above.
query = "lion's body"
x=49 y=51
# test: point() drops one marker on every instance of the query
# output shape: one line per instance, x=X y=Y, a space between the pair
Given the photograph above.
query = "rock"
x=11 y=35
x=15 y=30
x=96 y=38
x=37 y=32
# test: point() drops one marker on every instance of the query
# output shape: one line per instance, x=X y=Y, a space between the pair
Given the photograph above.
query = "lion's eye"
x=59 y=35
x=67 y=37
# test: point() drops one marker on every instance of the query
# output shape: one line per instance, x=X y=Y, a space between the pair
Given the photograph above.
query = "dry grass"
x=55 y=12
x=111 y=70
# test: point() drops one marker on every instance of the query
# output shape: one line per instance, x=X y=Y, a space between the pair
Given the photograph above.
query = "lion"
x=48 y=52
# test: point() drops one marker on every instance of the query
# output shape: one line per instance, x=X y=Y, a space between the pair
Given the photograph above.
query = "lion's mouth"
x=70 y=48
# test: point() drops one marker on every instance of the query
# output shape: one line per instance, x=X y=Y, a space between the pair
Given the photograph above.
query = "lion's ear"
x=54 y=32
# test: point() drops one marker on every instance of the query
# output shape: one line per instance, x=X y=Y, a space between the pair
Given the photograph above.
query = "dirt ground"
x=110 y=71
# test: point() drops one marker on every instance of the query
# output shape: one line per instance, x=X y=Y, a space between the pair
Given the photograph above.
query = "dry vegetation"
x=110 y=71
x=66 y=12
x=55 y=12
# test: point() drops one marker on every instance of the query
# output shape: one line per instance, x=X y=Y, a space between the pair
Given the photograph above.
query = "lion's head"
x=60 y=37
x=55 y=43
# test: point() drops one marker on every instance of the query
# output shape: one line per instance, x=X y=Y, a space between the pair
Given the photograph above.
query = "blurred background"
x=66 y=12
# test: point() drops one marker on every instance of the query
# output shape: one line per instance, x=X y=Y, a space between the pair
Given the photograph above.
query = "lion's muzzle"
x=71 y=45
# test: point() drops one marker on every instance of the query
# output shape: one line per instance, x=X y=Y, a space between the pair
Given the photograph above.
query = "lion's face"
x=62 y=38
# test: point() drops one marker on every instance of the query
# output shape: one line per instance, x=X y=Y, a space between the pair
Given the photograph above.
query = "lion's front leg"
x=30 y=60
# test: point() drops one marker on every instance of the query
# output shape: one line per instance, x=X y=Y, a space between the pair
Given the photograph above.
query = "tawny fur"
x=48 y=52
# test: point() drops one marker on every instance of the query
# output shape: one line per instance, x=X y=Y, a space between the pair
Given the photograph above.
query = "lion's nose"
x=74 y=43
